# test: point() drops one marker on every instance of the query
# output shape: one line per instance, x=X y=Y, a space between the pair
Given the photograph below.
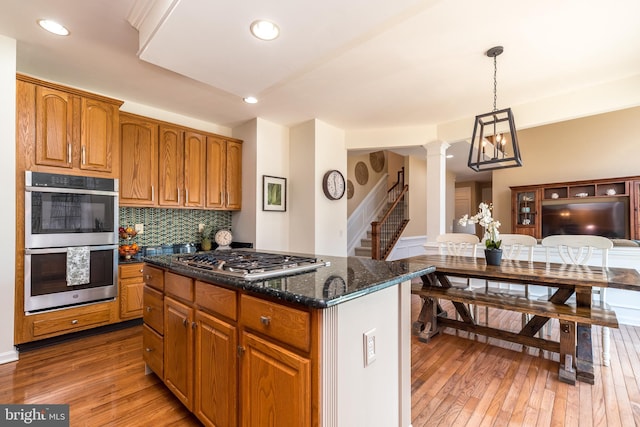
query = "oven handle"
x=58 y=250
x=71 y=191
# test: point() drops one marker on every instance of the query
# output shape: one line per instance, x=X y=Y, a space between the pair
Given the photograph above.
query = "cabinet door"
x=234 y=175
x=635 y=211
x=195 y=153
x=131 y=291
x=178 y=350
x=216 y=155
x=54 y=127
x=275 y=385
x=99 y=137
x=216 y=391
x=138 y=161
x=170 y=165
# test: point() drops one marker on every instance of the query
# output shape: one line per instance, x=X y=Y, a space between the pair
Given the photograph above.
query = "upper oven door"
x=56 y=217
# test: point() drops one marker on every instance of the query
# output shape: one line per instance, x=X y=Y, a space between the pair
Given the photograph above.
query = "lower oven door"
x=45 y=278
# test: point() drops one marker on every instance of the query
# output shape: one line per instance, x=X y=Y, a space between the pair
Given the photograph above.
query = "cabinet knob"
x=265 y=320
x=74 y=322
x=148 y=350
x=141 y=271
x=193 y=325
x=184 y=322
x=149 y=309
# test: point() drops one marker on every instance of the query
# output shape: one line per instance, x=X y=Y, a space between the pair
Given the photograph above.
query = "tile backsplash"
x=171 y=226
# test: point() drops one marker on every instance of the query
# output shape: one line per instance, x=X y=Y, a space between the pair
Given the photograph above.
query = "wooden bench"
x=432 y=319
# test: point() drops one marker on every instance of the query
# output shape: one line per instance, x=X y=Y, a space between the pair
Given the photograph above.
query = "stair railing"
x=386 y=232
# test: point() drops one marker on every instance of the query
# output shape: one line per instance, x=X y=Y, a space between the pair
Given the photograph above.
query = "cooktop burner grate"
x=248 y=264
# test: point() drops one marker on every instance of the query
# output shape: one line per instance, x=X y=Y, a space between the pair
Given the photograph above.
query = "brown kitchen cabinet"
x=216 y=358
x=131 y=288
x=275 y=384
x=138 y=160
x=224 y=178
x=67 y=129
x=179 y=327
x=182 y=168
x=231 y=358
x=525 y=211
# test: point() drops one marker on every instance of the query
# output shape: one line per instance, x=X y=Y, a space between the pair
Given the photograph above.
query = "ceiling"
x=355 y=64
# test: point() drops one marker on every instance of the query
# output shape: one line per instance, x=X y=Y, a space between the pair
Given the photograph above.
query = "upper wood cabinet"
x=138 y=161
x=182 y=168
x=168 y=166
x=224 y=178
x=60 y=127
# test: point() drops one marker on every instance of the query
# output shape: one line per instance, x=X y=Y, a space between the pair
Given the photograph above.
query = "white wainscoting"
x=625 y=303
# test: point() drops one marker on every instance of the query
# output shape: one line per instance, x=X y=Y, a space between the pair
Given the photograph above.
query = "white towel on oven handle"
x=78 y=265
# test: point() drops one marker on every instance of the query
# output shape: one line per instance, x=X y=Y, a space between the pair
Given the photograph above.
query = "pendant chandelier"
x=494 y=144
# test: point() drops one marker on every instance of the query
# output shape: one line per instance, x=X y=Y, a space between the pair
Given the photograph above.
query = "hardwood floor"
x=456 y=381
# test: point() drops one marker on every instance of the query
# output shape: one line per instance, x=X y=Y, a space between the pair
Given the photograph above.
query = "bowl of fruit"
x=127 y=251
x=127 y=233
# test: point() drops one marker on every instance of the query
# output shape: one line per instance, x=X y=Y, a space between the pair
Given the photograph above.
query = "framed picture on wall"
x=274 y=193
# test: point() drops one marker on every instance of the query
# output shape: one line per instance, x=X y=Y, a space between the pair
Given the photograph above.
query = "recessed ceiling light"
x=53 y=27
x=449 y=156
x=264 y=30
x=250 y=100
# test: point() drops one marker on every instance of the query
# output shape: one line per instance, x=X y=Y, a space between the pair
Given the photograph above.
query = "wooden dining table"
x=566 y=281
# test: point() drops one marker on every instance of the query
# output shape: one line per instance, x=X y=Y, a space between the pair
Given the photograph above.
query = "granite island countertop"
x=345 y=279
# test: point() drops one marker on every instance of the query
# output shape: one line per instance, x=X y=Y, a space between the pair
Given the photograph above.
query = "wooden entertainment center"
x=529 y=202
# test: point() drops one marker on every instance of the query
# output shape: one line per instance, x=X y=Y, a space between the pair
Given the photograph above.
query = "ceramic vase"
x=493 y=256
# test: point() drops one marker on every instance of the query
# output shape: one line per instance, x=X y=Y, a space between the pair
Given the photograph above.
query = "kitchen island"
x=328 y=347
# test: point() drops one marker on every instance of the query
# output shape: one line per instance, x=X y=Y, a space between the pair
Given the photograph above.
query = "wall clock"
x=333 y=185
x=223 y=238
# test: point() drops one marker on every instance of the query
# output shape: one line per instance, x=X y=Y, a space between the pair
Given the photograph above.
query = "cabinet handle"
x=153 y=194
x=265 y=320
x=140 y=271
x=178 y=190
x=149 y=309
x=186 y=196
x=74 y=322
x=83 y=155
x=227 y=199
x=193 y=325
x=240 y=351
x=148 y=277
x=184 y=322
x=148 y=350
x=69 y=153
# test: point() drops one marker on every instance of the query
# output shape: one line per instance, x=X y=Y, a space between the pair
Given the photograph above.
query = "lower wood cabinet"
x=275 y=385
x=178 y=350
x=216 y=393
x=225 y=366
x=130 y=286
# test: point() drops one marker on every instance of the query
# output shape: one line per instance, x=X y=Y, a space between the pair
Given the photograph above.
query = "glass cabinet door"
x=526 y=208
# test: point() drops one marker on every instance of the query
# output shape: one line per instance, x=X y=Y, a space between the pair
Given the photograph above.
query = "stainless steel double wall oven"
x=64 y=214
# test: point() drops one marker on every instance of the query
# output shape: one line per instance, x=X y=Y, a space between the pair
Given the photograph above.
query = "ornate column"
x=436 y=188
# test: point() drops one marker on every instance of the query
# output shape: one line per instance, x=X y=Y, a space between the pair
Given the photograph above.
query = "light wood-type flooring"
x=456 y=381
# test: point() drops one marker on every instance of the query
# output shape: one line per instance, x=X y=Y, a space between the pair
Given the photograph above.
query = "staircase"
x=386 y=230
x=364 y=250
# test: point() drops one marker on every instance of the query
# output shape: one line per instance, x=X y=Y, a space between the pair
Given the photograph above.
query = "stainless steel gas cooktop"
x=248 y=264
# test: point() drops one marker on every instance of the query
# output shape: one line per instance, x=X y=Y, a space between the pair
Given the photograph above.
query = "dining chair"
x=578 y=249
x=516 y=246
x=459 y=244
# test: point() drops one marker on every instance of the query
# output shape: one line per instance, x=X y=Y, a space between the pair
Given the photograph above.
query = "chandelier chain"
x=495 y=82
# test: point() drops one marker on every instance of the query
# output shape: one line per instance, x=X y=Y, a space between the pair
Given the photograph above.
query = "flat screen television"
x=600 y=218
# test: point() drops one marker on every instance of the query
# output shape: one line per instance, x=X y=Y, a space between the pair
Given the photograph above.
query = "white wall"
x=302 y=188
x=7 y=193
x=244 y=222
x=331 y=215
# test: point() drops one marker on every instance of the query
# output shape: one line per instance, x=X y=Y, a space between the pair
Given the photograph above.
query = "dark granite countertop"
x=345 y=279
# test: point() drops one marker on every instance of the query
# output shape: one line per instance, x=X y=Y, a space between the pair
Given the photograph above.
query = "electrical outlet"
x=139 y=228
x=369 y=344
x=200 y=228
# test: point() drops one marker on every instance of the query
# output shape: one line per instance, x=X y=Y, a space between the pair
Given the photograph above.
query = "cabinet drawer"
x=216 y=299
x=153 y=350
x=153 y=277
x=179 y=286
x=130 y=271
x=289 y=325
x=153 y=310
x=71 y=322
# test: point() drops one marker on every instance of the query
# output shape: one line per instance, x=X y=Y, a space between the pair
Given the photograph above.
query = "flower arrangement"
x=490 y=225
